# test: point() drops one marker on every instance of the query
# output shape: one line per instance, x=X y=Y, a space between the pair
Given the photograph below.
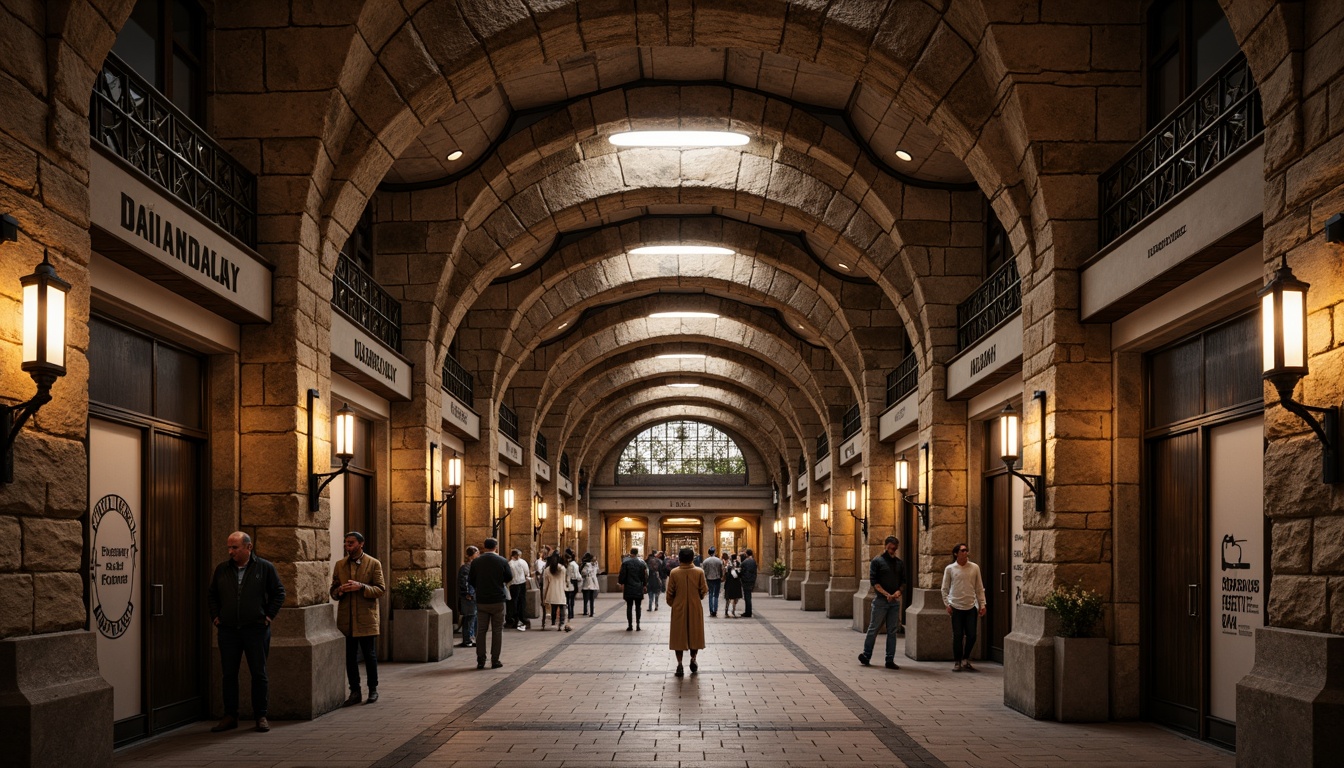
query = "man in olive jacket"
x=357 y=584
x=244 y=597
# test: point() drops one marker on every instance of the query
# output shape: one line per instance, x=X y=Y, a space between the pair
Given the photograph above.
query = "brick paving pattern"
x=782 y=689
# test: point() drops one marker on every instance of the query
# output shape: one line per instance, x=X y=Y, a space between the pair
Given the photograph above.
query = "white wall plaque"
x=460 y=418
x=992 y=358
x=357 y=354
x=898 y=417
x=510 y=451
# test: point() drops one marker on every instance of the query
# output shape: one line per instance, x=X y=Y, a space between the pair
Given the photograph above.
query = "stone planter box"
x=425 y=634
x=1082 y=679
x=777 y=586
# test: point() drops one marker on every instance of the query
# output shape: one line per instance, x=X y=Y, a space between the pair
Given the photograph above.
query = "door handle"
x=1003 y=582
x=155 y=599
x=1192 y=600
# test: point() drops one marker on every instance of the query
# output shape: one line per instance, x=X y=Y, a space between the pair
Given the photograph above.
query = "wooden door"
x=998 y=563
x=174 y=571
x=1177 y=589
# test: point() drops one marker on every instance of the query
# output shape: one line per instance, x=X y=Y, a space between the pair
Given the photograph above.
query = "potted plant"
x=778 y=568
x=1082 y=668
x=422 y=624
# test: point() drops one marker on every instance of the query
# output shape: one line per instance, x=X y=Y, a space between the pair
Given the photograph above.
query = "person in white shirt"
x=538 y=569
x=518 y=593
x=964 y=596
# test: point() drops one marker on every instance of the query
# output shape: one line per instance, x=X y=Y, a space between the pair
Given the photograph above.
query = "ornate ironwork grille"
x=564 y=465
x=823 y=446
x=902 y=380
x=996 y=300
x=849 y=425
x=508 y=422
x=141 y=126
x=682 y=448
x=540 y=448
x=357 y=295
x=458 y=381
x=802 y=464
x=1207 y=128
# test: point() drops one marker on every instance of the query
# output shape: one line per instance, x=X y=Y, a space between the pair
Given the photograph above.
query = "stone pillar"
x=816 y=549
x=1291 y=705
x=1029 y=662
x=55 y=707
x=845 y=537
x=797 y=560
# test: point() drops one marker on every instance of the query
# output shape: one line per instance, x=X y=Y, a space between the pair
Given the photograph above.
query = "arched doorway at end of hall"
x=623 y=533
x=678 y=532
x=734 y=533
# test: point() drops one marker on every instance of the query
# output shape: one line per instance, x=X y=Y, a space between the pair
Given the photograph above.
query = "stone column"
x=793 y=584
x=884 y=520
x=846 y=535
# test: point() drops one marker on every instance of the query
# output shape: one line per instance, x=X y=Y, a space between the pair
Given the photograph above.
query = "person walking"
x=656 y=580
x=466 y=599
x=244 y=596
x=886 y=573
x=686 y=587
x=589 y=586
x=732 y=585
x=575 y=578
x=518 y=591
x=748 y=581
x=490 y=575
x=539 y=571
x=555 y=591
x=634 y=580
x=713 y=568
x=963 y=594
x=356 y=585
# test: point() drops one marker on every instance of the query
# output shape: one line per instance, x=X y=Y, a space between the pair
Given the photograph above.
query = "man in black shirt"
x=887 y=575
x=634 y=581
x=490 y=575
x=748 y=581
x=244 y=597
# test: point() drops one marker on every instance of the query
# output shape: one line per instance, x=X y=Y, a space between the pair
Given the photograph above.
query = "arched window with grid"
x=682 y=448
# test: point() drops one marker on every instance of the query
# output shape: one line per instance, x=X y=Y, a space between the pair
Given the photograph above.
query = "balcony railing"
x=802 y=465
x=823 y=446
x=849 y=425
x=508 y=422
x=141 y=126
x=1207 y=128
x=996 y=300
x=540 y=448
x=458 y=382
x=564 y=465
x=356 y=294
x=902 y=380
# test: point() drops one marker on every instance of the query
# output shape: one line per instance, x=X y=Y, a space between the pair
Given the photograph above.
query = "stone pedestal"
x=1029 y=662
x=861 y=609
x=793 y=585
x=813 y=592
x=533 y=606
x=424 y=634
x=306 y=667
x=928 y=628
x=840 y=597
x=608 y=582
x=1291 y=705
x=55 y=707
x=777 y=586
x=1082 y=679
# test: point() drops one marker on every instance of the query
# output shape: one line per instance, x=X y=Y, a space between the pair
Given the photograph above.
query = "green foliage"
x=414 y=592
x=681 y=448
x=779 y=568
x=1078 y=610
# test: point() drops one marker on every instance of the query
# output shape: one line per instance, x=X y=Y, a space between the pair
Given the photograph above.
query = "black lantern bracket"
x=317 y=482
x=436 y=505
x=1034 y=483
x=922 y=507
x=1326 y=429
x=498 y=521
x=13 y=417
x=862 y=520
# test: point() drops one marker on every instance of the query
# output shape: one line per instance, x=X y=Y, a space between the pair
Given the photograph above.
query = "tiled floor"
x=782 y=689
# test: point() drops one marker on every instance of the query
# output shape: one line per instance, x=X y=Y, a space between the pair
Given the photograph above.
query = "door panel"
x=1178 y=591
x=998 y=559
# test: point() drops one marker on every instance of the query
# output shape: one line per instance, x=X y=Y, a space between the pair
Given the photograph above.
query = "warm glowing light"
x=681 y=250
x=843 y=266
x=678 y=139
x=516 y=265
x=578 y=525
x=456 y=154
x=851 y=500
x=1008 y=426
x=569 y=521
x=542 y=510
x=901 y=154
x=682 y=356
x=824 y=512
x=345 y=432
x=508 y=499
x=793 y=522
x=684 y=384
x=683 y=316
x=902 y=474
x=563 y=326
x=777 y=527
x=454 y=479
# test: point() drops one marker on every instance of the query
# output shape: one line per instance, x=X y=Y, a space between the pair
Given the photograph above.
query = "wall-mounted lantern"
x=824 y=512
x=903 y=485
x=852 y=507
x=1009 y=426
x=450 y=480
x=43 y=344
x=539 y=518
x=507 y=503
x=345 y=448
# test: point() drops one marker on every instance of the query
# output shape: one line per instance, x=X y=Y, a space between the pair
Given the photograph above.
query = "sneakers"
x=863 y=660
x=354 y=699
x=892 y=665
x=263 y=725
x=521 y=627
x=227 y=724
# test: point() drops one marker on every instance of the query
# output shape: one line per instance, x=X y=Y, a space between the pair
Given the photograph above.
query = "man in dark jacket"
x=887 y=575
x=489 y=575
x=748 y=581
x=634 y=580
x=245 y=596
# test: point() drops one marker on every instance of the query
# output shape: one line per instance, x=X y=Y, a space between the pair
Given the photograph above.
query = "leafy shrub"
x=1078 y=609
x=414 y=592
x=779 y=568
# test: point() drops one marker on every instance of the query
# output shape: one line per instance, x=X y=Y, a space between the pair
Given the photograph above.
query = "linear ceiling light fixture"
x=683 y=316
x=678 y=139
x=683 y=384
x=682 y=356
x=681 y=250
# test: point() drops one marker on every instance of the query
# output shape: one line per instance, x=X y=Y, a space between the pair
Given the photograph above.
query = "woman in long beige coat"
x=686 y=587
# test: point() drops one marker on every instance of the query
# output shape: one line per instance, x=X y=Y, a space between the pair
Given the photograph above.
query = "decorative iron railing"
x=996 y=300
x=902 y=380
x=458 y=381
x=1207 y=128
x=564 y=465
x=823 y=446
x=508 y=422
x=540 y=448
x=141 y=126
x=849 y=425
x=802 y=465
x=356 y=294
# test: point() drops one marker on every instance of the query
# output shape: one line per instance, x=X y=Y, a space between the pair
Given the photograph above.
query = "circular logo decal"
x=114 y=550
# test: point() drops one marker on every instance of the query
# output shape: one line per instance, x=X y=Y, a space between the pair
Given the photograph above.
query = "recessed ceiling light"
x=800 y=326
x=684 y=315
x=683 y=384
x=516 y=265
x=842 y=265
x=678 y=139
x=681 y=356
x=563 y=326
x=456 y=154
x=681 y=250
x=901 y=154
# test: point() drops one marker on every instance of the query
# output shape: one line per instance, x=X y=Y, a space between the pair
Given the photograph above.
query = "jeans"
x=558 y=612
x=468 y=627
x=964 y=624
x=589 y=602
x=746 y=598
x=492 y=624
x=634 y=609
x=255 y=642
x=569 y=600
x=888 y=612
x=653 y=600
x=368 y=646
x=714 y=586
x=517 y=606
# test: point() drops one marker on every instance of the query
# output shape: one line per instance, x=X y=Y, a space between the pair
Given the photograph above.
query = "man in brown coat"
x=357 y=584
x=686 y=587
